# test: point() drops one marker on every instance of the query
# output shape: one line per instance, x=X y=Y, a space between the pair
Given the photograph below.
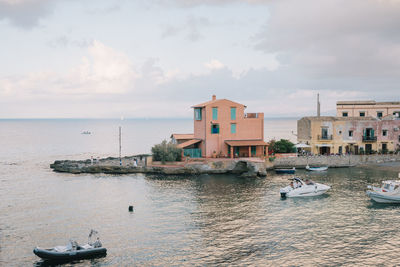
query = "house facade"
x=367 y=109
x=223 y=129
x=340 y=135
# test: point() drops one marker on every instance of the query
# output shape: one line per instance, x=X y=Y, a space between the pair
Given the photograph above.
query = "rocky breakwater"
x=241 y=167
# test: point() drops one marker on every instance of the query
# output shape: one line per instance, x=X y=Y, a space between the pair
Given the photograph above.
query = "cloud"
x=191 y=29
x=214 y=65
x=335 y=38
x=25 y=14
x=103 y=71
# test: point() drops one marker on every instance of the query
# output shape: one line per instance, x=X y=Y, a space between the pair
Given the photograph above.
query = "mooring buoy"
x=130 y=208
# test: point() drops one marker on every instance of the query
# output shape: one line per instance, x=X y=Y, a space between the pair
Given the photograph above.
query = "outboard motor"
x=283 y=194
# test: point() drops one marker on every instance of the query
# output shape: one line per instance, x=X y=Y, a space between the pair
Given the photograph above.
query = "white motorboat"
x=389 y=192
x=300 y=188
x=317 y=169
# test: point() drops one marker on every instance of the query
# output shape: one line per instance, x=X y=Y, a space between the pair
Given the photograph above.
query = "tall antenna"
x=120 y=160
x=318 y=106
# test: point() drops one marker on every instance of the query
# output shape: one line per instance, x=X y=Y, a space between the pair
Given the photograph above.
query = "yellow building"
x=340 y=135
x=367 y=109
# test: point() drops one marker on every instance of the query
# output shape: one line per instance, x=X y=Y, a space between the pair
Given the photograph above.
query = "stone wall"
x=334 y=161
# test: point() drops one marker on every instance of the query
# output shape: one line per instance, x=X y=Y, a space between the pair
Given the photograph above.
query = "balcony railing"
x=325 y=137
x=369 y=138
x=251 y=115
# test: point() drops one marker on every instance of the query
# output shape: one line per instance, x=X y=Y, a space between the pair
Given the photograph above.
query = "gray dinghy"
x=73 y=251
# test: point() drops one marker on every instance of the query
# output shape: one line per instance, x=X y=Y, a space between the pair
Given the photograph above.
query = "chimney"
x=318 y=106
x=214 y=97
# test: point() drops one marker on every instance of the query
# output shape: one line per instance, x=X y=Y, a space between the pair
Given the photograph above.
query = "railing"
x=369 y=138
x=251 y=115
x=325 y=137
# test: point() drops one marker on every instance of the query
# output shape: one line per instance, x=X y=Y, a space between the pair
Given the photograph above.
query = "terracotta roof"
x=214 y=102
x=245 y=143
x=189 y=143
x=182 y=136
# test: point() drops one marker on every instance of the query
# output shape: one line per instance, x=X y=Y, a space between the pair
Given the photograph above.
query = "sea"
x=206 y=220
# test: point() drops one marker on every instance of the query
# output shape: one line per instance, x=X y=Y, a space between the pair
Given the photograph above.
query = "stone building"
x=367 y=109
x=223 y=129
x=339 y=135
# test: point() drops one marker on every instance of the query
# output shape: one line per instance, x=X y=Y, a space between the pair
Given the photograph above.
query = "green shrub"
x=283 y=146
x=166 y=152
x=271 y=159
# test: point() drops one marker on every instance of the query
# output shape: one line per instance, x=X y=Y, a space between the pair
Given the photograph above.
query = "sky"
x=157 y=58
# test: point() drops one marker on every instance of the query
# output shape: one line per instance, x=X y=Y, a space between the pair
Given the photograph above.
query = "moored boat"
x=389 y=192
x=300 y=188
x=285 y=171
x=72 y=251
x=316 y=169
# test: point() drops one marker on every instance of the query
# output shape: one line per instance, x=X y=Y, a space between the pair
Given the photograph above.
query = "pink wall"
x=246 y=128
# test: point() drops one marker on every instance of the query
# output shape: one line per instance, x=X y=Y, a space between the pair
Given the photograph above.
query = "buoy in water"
x=130 y=208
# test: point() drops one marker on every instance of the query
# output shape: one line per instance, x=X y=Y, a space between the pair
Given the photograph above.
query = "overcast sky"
x=156 y=58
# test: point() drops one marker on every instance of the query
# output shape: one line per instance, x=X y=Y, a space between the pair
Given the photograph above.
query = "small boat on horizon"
x=317 y=169
x=285 y=171
x=86 y=132
x=300 y=188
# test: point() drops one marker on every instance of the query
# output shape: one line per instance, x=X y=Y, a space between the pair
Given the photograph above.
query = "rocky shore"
x=244 y=168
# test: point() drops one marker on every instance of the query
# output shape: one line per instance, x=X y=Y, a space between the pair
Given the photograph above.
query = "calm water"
x=206 y=220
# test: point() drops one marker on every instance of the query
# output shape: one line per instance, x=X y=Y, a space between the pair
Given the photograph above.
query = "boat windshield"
x=390 y=186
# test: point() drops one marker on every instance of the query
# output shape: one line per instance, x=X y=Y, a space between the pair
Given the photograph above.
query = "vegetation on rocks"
x=166 y=152
x=282 y=146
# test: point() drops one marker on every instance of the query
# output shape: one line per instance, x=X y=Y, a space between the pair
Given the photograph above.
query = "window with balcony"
x=215 y=114
x=197 y=114
x=379 y=114
x=324 y=133
x=345 y=114
x=233 y=128
x=384 y=132
x=362 y=114
x=369 y=135
x=215 y=128
x=233 y=114
x=350 y=133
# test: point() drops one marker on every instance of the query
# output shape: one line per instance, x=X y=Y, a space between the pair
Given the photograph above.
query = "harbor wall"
x=334 y=161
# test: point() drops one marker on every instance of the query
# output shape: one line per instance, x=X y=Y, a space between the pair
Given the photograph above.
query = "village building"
x=223 y=129
x=342 y=135
x=367 y=109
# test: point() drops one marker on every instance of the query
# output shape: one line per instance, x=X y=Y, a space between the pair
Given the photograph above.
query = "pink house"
x=223 y=129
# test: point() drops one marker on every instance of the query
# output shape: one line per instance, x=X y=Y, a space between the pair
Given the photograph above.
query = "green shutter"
x=233 y=113
x=372 y=133
x=233 y=128
x=215 y=114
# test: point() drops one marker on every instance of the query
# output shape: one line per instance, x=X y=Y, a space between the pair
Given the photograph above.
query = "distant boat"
x=316 y=169
x=86 y=132
x=299 y=188
x=285 y=171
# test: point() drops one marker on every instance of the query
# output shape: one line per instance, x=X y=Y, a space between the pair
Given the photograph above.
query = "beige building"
x=340 y=135
x=367 y=109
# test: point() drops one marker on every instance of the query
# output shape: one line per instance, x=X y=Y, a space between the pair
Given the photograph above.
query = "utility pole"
x=318 y=106
x=120 y=160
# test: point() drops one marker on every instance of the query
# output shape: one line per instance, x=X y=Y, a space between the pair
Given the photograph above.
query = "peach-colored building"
x=367 y=109
x=223 y=129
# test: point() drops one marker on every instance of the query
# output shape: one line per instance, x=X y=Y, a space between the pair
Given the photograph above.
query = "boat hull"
x=381 y=198
x=317 y=169
x=285 y=171
x=305 y=191
x=70 y=255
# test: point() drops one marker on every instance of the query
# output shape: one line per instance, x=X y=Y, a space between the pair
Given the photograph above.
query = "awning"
x=189 y=143
x=302 y=146
x=323 y=145
x=246 y=143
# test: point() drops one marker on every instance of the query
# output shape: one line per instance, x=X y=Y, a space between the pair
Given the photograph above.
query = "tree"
x=166 y=152
x=283 y=146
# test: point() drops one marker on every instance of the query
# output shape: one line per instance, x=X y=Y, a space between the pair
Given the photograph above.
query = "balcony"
x=325 y=137
x=369 y=138
x=251 y=115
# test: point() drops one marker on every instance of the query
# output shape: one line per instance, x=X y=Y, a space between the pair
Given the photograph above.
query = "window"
x=362 y=114
x=384 y=132
x=253 y=150
x=215 y=114
x=215 y=128
x=197 y=114
x=345 y=114
x=324 y=133
x=233 y=114
x=379 y=114
x=350 y=133
x=233 y=128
